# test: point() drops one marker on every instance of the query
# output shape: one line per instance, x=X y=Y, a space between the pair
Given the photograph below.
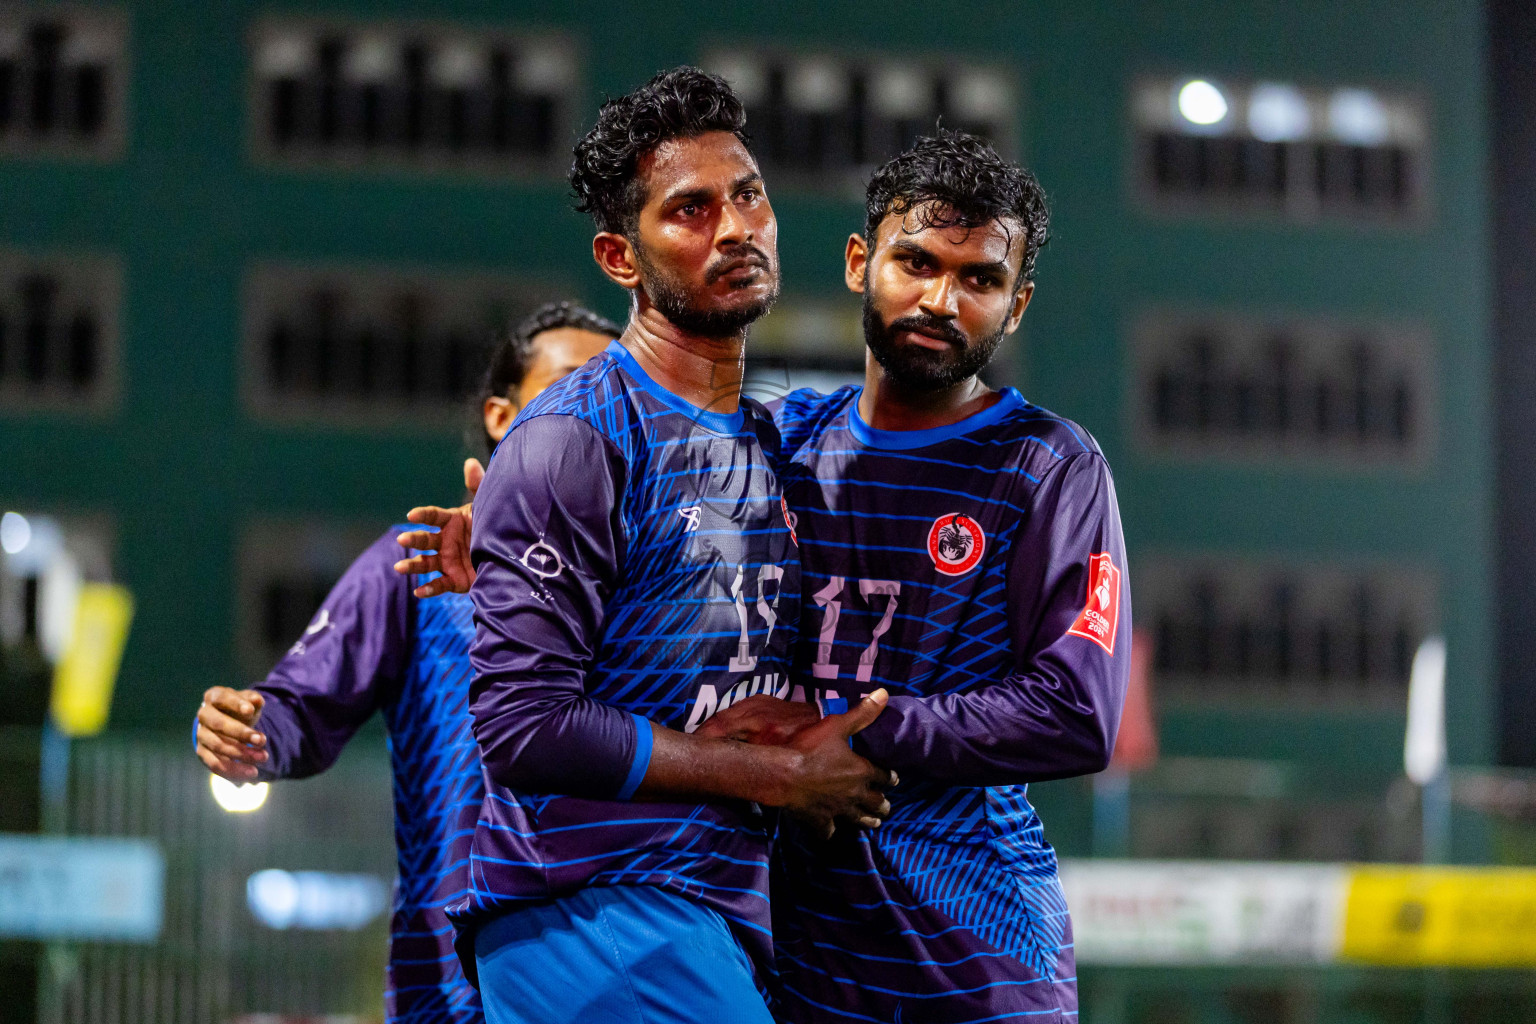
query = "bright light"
x=273 y=897
x=15 y=533
x=1202 y=103
x=1357 y=116
x=1424 y=744
x=237 y=798
x=1278 y=113
x=316 y=900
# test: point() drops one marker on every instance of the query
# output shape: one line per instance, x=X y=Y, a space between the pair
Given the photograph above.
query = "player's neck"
x=886 y=405
x=703 y=371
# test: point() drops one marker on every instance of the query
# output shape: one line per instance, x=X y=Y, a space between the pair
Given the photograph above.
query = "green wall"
x=179 y=467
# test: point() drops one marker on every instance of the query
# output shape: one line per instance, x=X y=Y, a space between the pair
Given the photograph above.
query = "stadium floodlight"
x=1201 y=103
x=1424 y=745
x=1278 y=113
x=241 y=798
x=15 y=533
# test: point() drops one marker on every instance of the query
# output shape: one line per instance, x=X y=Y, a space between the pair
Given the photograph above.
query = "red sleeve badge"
x=1100 y=616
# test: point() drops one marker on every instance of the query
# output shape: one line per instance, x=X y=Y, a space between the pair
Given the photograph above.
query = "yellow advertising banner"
x=1440 y=917
x=1177 y=913
x=85 y=676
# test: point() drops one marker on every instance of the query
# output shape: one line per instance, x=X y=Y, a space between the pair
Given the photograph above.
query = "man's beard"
x=673 y=300
x=920 y=369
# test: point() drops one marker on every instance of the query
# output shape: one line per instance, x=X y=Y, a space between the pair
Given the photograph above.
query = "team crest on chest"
x=956 y=544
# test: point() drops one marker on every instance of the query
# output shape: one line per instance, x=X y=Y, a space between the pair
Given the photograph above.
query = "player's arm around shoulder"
x=350 y=659
x=442 y=545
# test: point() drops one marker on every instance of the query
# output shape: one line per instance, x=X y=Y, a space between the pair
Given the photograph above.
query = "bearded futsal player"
x=633 y=561
x=962 y=548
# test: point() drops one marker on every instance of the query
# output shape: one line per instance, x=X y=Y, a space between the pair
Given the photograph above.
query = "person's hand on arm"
x=807 y=768
x=227 y=740
x=444 y=549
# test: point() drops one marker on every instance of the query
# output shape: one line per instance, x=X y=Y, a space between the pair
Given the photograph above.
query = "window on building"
x=1313 y=632
x=58 y=331
x=1296 y=151
x=824 y=121
x=357 y=344
x=430 y=97
x=1237 y=388
x=63 y=78
x=282 y=584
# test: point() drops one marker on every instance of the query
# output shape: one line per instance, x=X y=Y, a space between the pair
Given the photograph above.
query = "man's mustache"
x=931 y=325
x=734 y=259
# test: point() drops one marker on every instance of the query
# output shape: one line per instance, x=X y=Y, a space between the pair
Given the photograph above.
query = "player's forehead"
x=711 y=164
x=932 y=227
x=568 y=345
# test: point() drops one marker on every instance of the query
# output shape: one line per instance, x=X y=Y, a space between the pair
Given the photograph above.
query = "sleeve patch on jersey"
x=1100 y=617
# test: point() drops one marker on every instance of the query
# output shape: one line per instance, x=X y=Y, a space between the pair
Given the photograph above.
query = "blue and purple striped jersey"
x=372 y=647
x=633 y=563
x=975 y=571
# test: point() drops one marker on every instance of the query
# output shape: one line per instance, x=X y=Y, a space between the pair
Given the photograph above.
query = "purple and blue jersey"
x=974 y=571
x=372 y=646
x=634 y=564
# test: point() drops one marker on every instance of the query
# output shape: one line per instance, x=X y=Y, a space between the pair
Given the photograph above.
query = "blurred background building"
x=249 y=255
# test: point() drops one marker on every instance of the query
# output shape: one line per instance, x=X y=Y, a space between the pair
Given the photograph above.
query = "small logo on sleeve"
x=956 y=544
x=320 y=623
x=690 y=516
x=790 y=520
x=1100 y=616
x=542 y=560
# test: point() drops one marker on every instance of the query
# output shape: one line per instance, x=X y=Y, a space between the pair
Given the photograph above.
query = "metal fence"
x=215 y=962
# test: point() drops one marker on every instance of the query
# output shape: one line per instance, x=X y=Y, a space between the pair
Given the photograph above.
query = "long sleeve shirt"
x=976 y=571
x=634 y=564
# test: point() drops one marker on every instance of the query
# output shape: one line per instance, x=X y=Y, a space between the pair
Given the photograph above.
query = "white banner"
x=1189 y=912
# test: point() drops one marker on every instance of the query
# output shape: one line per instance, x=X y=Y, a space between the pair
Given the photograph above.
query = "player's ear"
x=855 y=260
x=616 y=256
x=499 y=413
x=1020 y=303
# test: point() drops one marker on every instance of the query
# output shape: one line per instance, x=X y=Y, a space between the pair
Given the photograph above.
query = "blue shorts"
x=627 y=954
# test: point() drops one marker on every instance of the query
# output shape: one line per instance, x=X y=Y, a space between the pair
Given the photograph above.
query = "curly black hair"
x=514 y=348
x=967 y=185
x=677 y=104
